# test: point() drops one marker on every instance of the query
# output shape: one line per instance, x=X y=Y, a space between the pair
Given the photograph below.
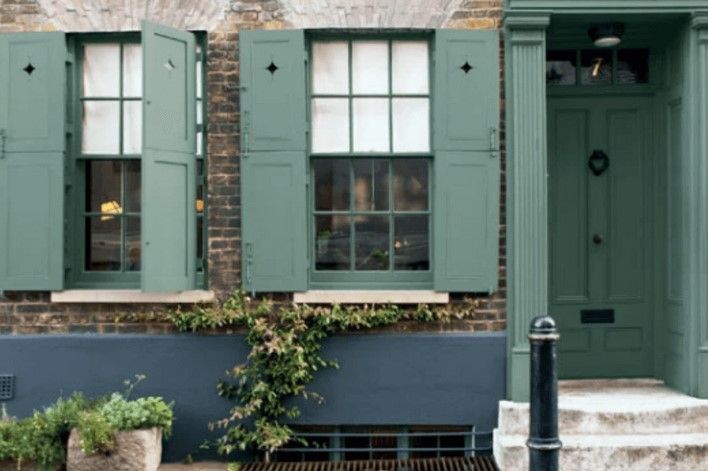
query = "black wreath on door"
x=599 y=162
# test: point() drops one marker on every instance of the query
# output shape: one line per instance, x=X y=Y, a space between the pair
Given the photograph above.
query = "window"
x=372 y=163
x=108 y=163
x=597 y=67
x=99 y=174
x=370 y=160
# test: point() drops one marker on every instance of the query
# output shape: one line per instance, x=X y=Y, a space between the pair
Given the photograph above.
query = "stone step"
x=614 y=407
x=675 y=452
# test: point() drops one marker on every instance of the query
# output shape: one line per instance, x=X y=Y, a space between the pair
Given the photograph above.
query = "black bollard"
x=543 y=443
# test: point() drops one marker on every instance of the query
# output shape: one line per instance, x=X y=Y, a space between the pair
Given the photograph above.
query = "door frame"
x=526 y=23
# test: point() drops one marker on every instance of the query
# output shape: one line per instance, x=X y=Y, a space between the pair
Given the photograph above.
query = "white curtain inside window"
x=132 y=127
x=132 y=70
x=330 y=125
x=100 y=127
x=101 y=70
x=411 y=128
x=330 y=67
x=370 y=124
x=409 y=67
x=370 y=67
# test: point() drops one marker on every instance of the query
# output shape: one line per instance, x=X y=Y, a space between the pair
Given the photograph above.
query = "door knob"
x=597 y=239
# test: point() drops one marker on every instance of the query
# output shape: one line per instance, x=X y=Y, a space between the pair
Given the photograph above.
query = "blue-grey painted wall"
x=396 y=379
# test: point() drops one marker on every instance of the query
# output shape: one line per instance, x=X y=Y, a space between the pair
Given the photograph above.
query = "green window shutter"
x=466 y=208
x=32 y=114
x=273 y=161
x=168 y=161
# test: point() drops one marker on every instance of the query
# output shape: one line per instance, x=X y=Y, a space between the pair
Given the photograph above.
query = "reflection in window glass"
x=632 y=66
x=368 y=233
x=331 y=185
x=132 y=244
x=332 y=242
x=596 y=67
x=103 y=186
x=561 y=67
x=372 y=235
x=103 y=243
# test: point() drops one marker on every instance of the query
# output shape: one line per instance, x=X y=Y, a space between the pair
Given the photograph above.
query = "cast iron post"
x=543 y=442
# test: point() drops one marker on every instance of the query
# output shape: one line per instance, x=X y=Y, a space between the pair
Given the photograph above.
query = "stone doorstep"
x=674 y=452
x=615 y=407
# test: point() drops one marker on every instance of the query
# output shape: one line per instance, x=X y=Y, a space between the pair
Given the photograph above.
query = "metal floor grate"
x=467 y=463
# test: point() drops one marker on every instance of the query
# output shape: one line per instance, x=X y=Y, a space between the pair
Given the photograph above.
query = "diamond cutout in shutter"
x=466 y=67
x=272 y=68
x=169 y=65
x=29 y=68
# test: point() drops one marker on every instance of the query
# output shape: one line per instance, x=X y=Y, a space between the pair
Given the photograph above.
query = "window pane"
x=132 y=70
x=200 y=239
x=410 y=66
x=411 y=131
x=100 y=130
x=132 y=244
x=199 y=204
x=372 y=239
x=330 y=125
x=596 y=67
x=101 y=70
x=370 y=67
x=332 y=242
x=410 y=243
x=103 y=182
x=200 y=143
x=330 y=67
x=410 y=184
x=371 y=185
x=103 y=243
x=561 y=67
x=199 y=79
x=133 y=186
x=370 y=116
x=331 y=185
x=632 y=66
x=132 y=127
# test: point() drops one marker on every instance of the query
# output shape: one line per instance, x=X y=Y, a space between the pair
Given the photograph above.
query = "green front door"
x=601 y=235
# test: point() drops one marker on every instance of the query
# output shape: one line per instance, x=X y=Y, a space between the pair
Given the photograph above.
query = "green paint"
x=168 y=166
x=616 y=273
x=273 y=161
x=32 y=98
x=466 y=164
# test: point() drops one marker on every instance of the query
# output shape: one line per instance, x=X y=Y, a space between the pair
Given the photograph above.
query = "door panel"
x=600 y=233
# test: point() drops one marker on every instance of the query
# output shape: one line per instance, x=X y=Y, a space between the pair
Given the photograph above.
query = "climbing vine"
x=286 y=343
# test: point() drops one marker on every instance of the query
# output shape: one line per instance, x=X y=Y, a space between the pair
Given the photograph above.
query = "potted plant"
x=120 y=434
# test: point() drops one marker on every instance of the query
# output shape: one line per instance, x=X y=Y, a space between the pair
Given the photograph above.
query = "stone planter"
x=137 y=450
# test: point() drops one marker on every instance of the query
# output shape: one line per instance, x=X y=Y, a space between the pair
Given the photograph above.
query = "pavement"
x=206 y=466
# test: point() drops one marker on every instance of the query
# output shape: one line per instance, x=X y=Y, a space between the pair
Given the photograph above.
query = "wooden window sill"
x=131 y=296
x=371 y=297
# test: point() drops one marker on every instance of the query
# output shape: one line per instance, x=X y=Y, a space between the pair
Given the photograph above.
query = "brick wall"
x=222 y=19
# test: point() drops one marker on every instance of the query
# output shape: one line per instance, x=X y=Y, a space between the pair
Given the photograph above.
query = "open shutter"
x=273 y=161
x=168 y=161
x=466 y=208
x=32 y=141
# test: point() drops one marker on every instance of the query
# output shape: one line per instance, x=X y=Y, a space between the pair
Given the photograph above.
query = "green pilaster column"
x=697 y=210
x=527 y=189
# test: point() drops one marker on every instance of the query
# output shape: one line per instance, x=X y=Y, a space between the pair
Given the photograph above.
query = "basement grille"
x=464 y=463
x=7 y=387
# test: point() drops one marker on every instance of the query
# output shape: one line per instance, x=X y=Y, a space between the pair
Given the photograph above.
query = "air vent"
x=7 y=387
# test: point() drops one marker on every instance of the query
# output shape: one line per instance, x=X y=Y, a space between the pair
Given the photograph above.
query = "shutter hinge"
x=3 y=137
x=246 y=127
x=493 y=142
x=249 y=268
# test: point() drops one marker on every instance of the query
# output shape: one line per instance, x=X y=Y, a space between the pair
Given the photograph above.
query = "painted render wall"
x=393 y=379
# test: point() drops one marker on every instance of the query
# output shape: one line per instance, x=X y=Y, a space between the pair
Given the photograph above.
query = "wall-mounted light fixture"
x=606 y=34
